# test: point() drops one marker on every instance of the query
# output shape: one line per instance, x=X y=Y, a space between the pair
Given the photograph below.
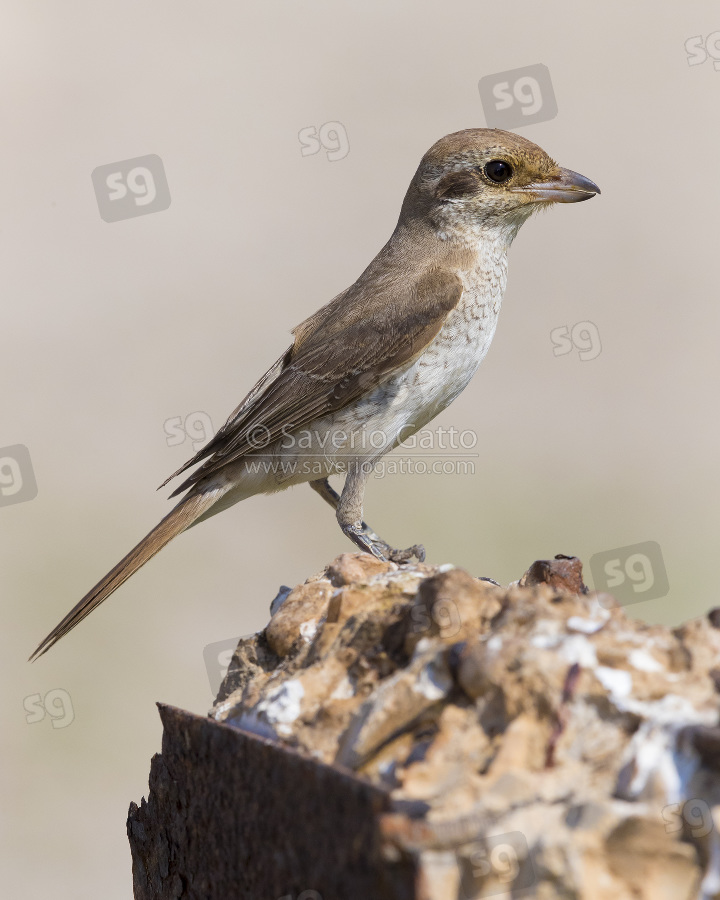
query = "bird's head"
x=485 y=178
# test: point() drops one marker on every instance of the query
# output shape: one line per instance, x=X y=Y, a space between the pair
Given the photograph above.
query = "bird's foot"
x=366 y=539
x=405 y=556
x=396 y=556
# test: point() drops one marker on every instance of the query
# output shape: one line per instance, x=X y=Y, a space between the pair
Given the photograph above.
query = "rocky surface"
x=534 y=740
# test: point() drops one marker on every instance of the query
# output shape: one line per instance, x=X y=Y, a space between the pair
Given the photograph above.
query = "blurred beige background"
x=110 y=330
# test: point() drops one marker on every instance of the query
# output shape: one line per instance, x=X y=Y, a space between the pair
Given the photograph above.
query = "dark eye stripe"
x=457 y=184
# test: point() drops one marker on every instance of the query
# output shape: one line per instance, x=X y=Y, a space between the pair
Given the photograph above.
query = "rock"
x=529 y=741
x=398 y=702
x=563 y=573
x=298 y=616
x=350 y=568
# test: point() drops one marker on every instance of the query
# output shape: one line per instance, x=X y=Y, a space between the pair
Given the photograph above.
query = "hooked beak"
x=567 y=187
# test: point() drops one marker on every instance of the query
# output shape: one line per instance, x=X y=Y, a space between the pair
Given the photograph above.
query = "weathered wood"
x=231 y=816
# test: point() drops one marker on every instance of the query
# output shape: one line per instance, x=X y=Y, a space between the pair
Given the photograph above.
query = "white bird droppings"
x=617 y=681
x=282 y=706
x=643 y=661
x=586 y=626
x=308 y=630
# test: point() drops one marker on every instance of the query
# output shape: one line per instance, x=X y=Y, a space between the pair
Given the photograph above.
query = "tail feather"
x=181 y=517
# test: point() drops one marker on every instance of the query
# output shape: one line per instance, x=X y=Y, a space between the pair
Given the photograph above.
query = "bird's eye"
x=498 y=170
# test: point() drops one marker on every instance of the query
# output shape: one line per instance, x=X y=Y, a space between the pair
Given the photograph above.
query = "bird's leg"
x=331 y=496
x=348 y=509
x=349 y=514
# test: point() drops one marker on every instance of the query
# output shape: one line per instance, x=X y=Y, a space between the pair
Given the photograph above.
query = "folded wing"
x=343 y=351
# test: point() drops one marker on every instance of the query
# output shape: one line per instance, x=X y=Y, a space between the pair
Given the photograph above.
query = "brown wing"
x=346 y=349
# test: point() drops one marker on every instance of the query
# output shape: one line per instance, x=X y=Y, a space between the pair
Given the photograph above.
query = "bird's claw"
x=404 y=556
x=366 y=539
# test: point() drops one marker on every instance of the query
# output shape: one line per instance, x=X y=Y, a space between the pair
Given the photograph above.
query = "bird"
x=380 y=360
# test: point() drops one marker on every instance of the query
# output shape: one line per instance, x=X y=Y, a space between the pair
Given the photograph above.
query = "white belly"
x=413 y=397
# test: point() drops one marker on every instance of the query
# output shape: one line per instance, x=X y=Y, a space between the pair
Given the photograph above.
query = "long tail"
x=181 y=517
